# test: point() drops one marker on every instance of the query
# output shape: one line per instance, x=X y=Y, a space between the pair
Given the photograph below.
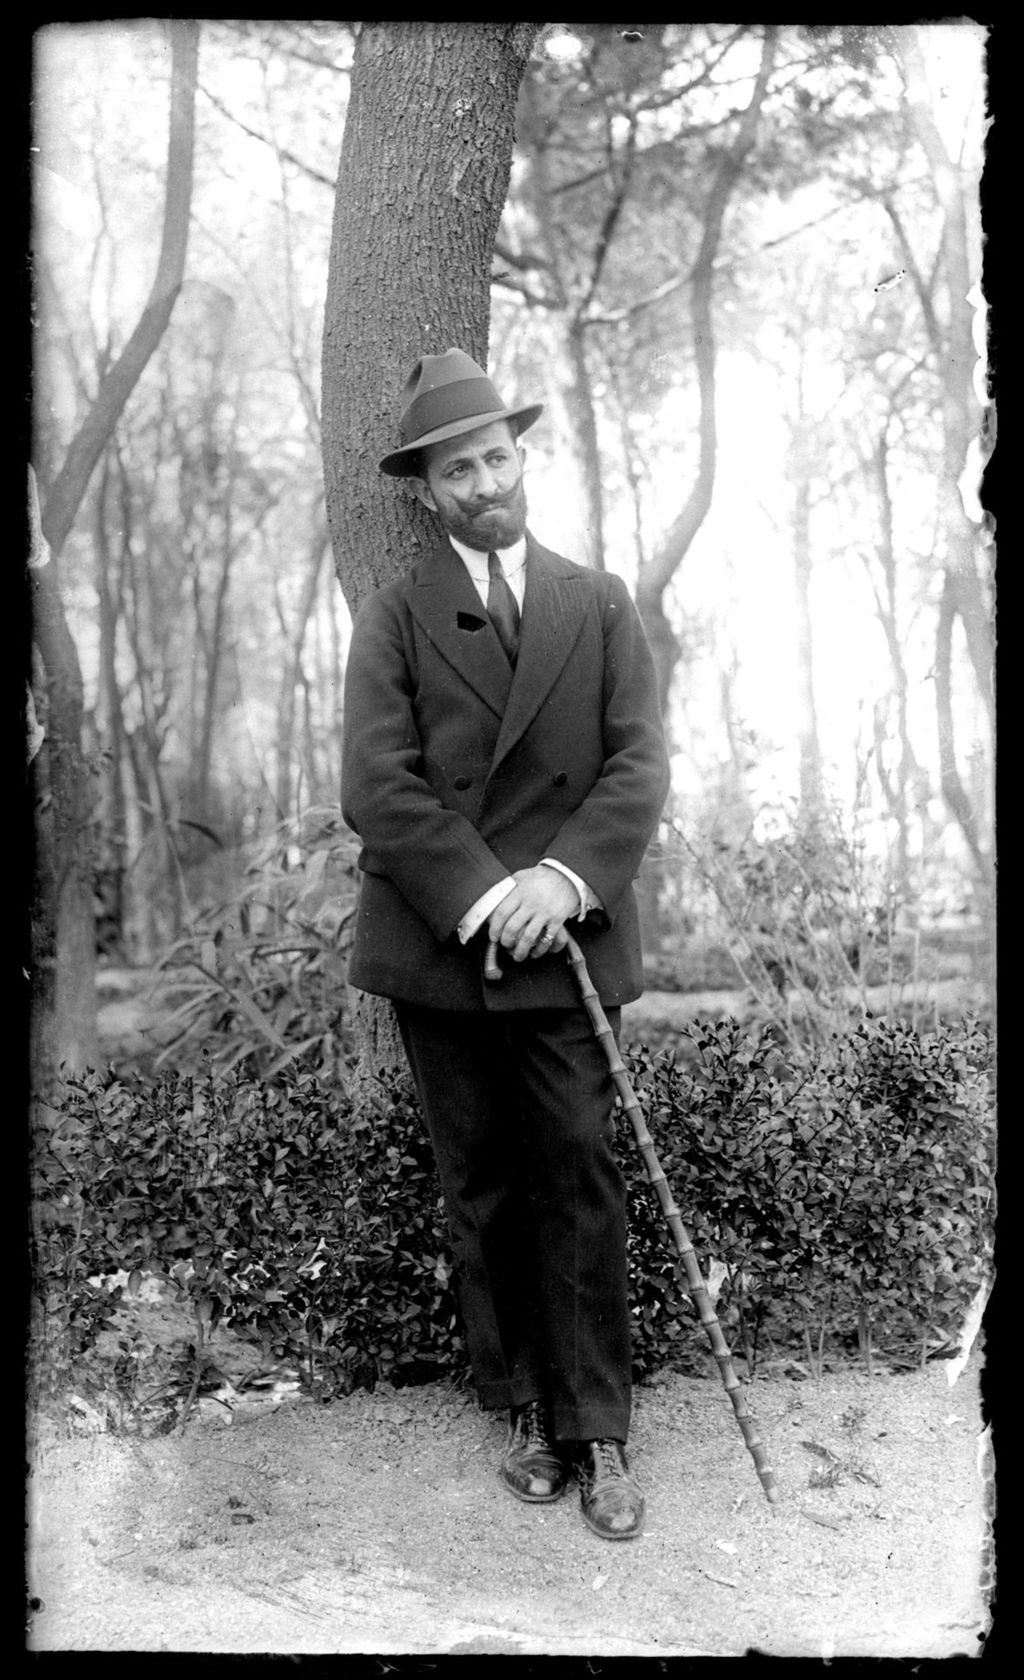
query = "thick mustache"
x=496 y=504
x=492 y=506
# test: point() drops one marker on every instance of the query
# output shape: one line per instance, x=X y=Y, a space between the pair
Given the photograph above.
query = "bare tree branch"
x=521 y=259
x=116 y=387
x=265 y=140
x=624 y=169
x=678 y=538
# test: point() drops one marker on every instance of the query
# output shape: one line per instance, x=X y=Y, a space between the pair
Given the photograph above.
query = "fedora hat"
x=445 y=396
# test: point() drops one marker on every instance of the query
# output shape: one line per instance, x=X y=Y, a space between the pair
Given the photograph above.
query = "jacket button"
x=462 y=783
x=561 y=779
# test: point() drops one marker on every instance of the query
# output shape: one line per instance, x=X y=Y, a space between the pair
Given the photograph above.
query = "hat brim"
x=403 y=463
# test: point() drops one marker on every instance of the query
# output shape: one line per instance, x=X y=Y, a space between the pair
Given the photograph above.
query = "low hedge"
x=841 y=1194
x=319 y=1232
x=847 y=1193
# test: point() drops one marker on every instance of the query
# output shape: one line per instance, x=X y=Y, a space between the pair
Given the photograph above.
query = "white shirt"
x=513 y=564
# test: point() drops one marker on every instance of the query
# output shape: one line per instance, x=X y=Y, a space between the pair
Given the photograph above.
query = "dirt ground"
x=377 y=1524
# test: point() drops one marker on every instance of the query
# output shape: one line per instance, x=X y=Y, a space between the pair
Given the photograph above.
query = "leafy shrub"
x=844 y=1190
x=849 y=1186
x=317 y=1232
x=259 y=982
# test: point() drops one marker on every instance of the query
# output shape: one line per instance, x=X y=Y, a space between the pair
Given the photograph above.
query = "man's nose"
x=486 y=482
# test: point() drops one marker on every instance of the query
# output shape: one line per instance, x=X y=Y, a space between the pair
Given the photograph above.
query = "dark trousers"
x=519 y=1110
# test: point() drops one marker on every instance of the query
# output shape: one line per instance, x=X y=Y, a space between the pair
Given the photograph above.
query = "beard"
x=498 y=524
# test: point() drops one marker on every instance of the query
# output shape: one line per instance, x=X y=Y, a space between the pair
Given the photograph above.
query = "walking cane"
x=684 y=1247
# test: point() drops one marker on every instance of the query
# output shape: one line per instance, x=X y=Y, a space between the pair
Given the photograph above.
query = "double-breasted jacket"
x=459 y=770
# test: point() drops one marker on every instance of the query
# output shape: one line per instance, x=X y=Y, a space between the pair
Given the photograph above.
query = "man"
x=504 y=768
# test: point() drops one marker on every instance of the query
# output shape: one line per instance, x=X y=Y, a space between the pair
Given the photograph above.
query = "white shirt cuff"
x=588 y=900
x=478 y=913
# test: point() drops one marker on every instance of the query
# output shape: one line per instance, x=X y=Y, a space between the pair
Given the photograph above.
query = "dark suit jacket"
x=457 y=772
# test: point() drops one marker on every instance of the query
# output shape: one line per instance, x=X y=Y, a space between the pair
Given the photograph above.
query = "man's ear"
x=423 y=493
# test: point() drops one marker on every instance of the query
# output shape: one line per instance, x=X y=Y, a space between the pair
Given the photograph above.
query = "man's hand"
x=529 y=921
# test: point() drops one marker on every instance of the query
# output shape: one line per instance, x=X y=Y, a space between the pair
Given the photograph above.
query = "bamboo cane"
x=706 y=1312
x=684 y=1247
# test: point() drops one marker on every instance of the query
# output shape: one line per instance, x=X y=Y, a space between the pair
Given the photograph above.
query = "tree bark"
x=424 y=171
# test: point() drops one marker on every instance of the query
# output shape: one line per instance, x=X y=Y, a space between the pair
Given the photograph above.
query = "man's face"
x=474 y=483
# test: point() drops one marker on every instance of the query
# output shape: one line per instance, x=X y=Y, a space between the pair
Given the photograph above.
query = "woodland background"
x=742 y=265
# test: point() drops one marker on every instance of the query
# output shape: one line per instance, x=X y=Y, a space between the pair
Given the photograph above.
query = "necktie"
x=502 y=608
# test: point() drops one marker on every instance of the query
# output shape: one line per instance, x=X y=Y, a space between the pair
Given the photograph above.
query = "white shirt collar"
x=511 y=558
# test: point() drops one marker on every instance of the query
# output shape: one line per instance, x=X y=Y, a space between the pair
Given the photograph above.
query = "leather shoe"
x=533 y=1468
x=610 y=1496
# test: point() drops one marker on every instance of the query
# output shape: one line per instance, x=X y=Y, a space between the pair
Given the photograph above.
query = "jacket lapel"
x=554 y=608
x=445 y=604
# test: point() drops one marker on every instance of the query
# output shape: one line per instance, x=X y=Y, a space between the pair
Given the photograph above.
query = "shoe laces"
x=534 y=1427
x=606 y=1463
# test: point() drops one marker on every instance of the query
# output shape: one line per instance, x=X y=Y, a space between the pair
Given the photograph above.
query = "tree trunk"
x=896 y=789
x=963 y=593
x=656 y=575
x=146 y=745
x=956 y=358
x=63 y=1016
x=64 y=943
x=953 y=790
x=291 y=676
x=69 y=487
x=110 y=725
x=803 y=565
x=215 y=658
x=582 y=419
x=424 y=171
